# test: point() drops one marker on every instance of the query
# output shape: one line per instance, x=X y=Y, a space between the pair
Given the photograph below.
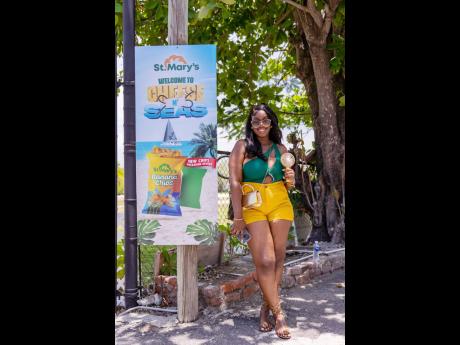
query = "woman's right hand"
x=238 y=227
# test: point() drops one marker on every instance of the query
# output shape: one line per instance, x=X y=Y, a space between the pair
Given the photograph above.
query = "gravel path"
x=316 y=316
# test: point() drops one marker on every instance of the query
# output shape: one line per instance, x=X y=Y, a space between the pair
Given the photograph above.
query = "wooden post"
x=187 y=256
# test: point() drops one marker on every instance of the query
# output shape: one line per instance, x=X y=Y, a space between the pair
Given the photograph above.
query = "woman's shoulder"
x=240 y=146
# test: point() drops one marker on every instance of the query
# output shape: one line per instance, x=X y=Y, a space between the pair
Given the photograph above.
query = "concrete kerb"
x=225 y=294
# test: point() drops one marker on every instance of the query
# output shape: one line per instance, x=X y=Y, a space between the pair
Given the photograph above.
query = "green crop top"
x=255 y=169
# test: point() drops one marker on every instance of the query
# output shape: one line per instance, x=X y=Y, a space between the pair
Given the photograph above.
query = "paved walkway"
x=316 y=316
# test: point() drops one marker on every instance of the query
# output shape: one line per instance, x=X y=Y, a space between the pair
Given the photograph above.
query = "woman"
x=256 y=161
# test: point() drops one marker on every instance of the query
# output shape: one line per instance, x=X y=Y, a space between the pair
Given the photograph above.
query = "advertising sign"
x=176 y=144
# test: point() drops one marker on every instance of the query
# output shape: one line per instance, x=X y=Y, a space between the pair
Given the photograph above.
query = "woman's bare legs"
x=263 y=255
x=279 y=230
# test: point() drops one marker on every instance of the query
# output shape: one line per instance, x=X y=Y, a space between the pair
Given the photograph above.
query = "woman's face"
x=261 y=124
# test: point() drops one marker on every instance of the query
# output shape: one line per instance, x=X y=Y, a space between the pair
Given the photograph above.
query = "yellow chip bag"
x=164 y=184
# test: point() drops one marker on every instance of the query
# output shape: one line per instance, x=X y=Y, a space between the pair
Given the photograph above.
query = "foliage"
x=120 y=181
x=120 y=259
x=256 y=61
x=169 y=266
x=296 y=200
x=147 y=258
x=234 y=245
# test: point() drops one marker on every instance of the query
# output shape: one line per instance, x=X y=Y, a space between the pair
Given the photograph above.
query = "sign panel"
x=176 y=144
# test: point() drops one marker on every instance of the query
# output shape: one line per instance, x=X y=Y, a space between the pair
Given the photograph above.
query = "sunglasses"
x=257 y=123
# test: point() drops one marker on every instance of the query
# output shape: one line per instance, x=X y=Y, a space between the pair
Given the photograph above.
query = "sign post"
x=187 y=255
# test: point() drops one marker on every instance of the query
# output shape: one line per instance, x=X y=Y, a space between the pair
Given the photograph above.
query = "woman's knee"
x=280 y=255
x=267 y=262
x=279 y=261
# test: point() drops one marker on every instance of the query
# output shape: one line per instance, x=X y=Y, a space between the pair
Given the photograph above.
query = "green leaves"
x=342 y=101
x=146 y=230
x=204 y=231
x=169 y=267
x=118 y=7
x=206 y=11
x=120 y=259
x=337 y=63
x=151 y=4
x=120 y=180
x=256 y=60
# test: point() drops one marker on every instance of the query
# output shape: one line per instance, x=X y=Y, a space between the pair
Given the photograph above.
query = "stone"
x=294 y=270
x=243 y=281
x=303 y=278
x=307 y=265
x=233 y=296
x=227 y=287
x=287 y=281
x=214 y=301
x=211 y=291
x=172 y=280
x=326 y=267
x=250 y=290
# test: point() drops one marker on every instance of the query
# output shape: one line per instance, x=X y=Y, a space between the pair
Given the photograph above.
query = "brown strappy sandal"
x=276 y=310
x=265 y=326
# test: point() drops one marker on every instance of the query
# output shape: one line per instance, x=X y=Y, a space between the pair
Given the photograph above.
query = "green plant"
x=296 y=200
x=120 y=180
x=291 y=236
x=233 y=243
x=120 y=259
x=169 y=266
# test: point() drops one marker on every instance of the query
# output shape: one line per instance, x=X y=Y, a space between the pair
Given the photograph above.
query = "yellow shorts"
x=275 y=203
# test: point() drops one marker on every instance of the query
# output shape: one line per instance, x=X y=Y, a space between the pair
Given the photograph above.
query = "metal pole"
x=116 y=169
x=129 y=156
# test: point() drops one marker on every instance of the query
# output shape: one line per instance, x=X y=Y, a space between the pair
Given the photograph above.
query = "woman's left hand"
x=289 y=176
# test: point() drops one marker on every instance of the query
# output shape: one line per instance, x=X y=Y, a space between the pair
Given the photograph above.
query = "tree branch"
x=330 y=12
x=310 y=9
x=326 y=25
x=295 y=4
x=284 y=16
x=303 y=22
x=290 y=113
x=315 y=14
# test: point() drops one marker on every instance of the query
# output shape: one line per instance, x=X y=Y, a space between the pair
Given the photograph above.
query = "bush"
x=120 y=181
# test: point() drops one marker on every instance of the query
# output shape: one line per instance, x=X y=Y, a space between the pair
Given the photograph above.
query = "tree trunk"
x=331 y=147
x=313 y=69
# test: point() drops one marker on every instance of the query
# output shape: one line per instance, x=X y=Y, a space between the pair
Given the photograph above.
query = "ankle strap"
x=276 y=309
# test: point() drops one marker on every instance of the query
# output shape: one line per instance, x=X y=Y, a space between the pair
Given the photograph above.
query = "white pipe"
x=172 y=310
x=309 y=256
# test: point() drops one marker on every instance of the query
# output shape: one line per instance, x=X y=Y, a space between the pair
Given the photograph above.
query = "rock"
x=157 y=299
x=121 y=302
x=149 y=300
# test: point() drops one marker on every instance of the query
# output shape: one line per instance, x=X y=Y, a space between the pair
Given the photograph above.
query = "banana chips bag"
x=165 y=181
